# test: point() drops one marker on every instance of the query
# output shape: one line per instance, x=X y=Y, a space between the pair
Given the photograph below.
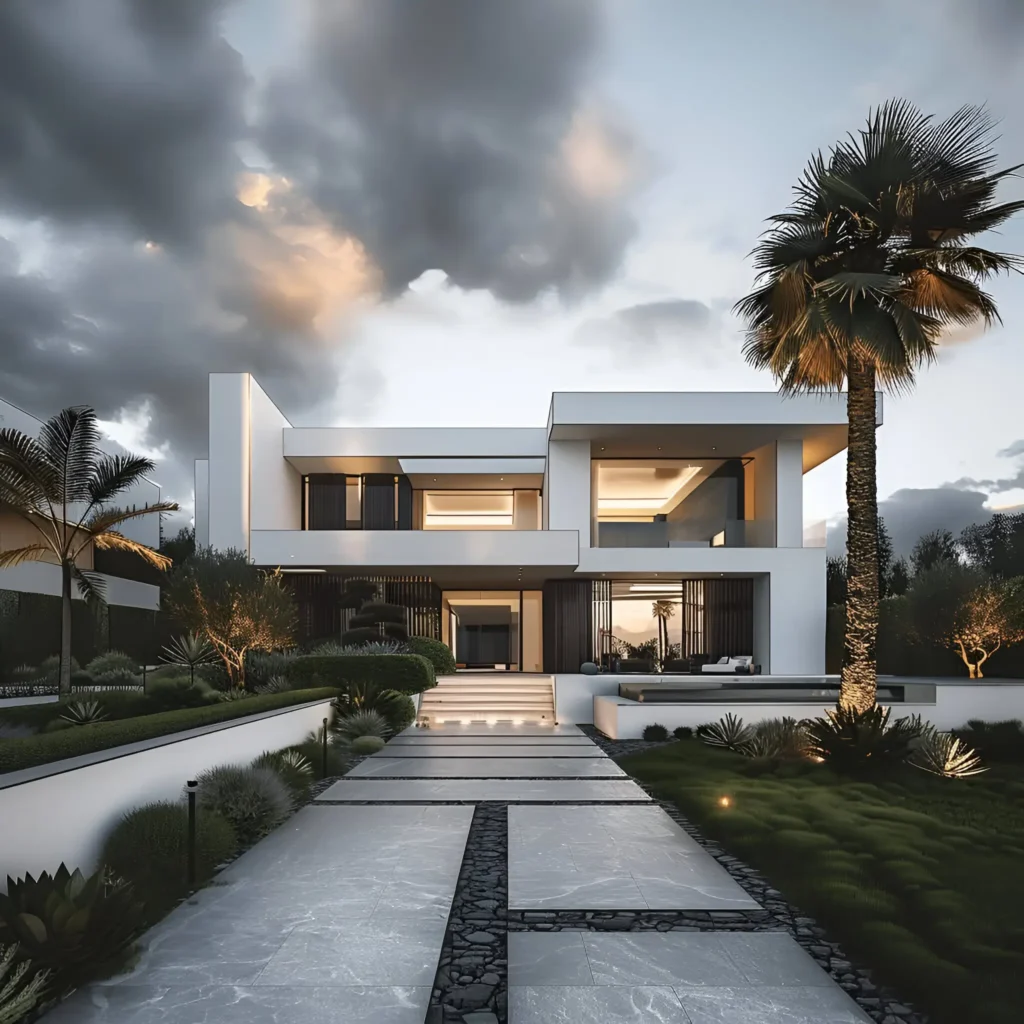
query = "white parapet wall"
x=63 y=811
x=955 y=704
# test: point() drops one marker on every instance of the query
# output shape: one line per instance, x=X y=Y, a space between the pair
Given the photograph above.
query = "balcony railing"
x=727 y=533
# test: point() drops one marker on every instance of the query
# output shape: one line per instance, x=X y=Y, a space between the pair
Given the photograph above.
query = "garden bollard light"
x=143 y=677
x=325 y=750
x=191 y=786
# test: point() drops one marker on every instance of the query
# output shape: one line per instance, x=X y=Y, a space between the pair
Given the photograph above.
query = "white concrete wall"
x=797 y=616
x=954 y=706
x=574 y=694
x=415 y=442
x=45 y=578
x=229 y=460
x=422 y=549
x=568 y=488
x=275 y=496
x=789 y=494
x=202 y=513
x=82 y=804
x=763 y=623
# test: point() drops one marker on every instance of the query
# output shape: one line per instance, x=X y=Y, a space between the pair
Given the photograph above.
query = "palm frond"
x=91 y=585
x=29 y=553
x=111 y=540
x=71 y=441
x=105 y=519
x=27 y=477
x=114 y=474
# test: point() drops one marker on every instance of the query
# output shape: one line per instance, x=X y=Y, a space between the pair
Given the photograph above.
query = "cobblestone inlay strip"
x=644 y=920
x=472 y=972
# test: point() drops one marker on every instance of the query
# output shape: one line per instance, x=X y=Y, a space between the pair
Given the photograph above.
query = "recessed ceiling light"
x=602 y=447
x=659 y=447
x=713 y=448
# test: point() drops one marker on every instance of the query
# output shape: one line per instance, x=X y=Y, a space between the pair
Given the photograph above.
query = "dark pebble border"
x=879 y=1003
x=472 y=972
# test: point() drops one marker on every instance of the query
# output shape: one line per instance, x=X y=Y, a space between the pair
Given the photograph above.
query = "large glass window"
x=670 y=503
x=647 y=620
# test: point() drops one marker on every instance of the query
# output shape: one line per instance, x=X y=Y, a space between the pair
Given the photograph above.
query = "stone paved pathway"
x=464 y=872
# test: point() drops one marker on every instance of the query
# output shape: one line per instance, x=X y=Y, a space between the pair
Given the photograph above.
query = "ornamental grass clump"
x=367 y=744
x=22 y=985
x=254 y=800
x=778 y=738
x=295 y=769
x=361 y=723
x=940 y=753
x=149 y=848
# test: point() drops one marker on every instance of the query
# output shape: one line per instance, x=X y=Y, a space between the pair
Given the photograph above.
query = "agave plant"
x=728 y=732
x=68 y=923
x=190 y=650
x=850 y=739
x=940 y=753
x=83 y=712
x=294 y=768
x=21 y=987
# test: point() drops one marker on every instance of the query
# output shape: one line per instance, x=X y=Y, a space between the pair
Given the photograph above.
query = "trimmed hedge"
x=437 y=653
x=407 y=673
x=29 y=751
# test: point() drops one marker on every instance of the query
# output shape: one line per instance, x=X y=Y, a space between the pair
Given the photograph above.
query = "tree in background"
x=663 y=611
x=899 y=578
x=933 y=548
x=222 y=596
x=961 y=607
x=63 y=485
x=835 y=580
x=857 y=281
x=996 y=546
x=181 y=546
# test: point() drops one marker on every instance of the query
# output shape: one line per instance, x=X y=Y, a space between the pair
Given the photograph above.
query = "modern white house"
x=132 y=591
x=662 y=525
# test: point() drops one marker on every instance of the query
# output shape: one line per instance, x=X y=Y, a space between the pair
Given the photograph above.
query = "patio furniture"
x=676 y=667
x=636 y=666
x=739 y=665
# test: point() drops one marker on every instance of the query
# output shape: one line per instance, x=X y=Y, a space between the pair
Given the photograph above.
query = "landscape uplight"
x=725 y=801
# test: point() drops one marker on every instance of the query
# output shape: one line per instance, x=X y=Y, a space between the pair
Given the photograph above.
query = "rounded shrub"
x=117 y=677
x=367 y=745
x=438 y=654
x=313 y=751
x=398 y=710
x=176 y=692
x=254 y=800
x=49 y=668
x=111 y=661
x=655 y=732
x=682 y=732
x=149 y=848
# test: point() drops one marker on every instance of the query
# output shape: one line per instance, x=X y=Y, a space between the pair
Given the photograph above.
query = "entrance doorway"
x=493 y=630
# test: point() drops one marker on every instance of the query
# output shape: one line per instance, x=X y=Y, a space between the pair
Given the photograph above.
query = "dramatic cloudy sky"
x=400 y=212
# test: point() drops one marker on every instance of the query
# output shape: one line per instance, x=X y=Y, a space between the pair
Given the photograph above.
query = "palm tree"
x=663 y=611
x=62 y=484
x=858 y=280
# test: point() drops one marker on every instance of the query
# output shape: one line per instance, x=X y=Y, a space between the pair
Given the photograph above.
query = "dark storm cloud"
x=911 y=512
x=1000 y=484
x=434 y=133
x=119 y=110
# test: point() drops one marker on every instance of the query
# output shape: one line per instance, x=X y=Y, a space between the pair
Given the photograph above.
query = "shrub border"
x=124 y=736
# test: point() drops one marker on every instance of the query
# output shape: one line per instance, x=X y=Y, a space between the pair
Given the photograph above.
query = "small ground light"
x=725 y=801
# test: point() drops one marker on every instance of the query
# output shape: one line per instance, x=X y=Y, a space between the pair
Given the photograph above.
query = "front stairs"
x=490 y=697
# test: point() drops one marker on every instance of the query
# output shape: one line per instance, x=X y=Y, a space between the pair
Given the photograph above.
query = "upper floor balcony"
x=725 y=533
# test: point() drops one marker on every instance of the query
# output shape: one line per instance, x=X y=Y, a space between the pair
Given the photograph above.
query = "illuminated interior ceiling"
x=646 y=487
x=467 y=508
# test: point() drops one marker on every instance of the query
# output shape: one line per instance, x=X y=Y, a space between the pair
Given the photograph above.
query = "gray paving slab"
x=676 y=977
x=350 y=901
x=435 y=750
x=472 y=790
x=612 y=857
x=487 y=768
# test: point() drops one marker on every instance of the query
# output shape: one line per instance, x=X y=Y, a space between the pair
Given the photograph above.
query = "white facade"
x=641 y=490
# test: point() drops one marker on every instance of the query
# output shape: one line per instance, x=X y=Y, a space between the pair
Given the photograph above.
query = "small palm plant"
x=62 y=484
x=84 y=712
x=729 y=733
x=189 y=651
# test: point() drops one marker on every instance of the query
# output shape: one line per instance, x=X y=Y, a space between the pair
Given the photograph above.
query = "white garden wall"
x=64 y=810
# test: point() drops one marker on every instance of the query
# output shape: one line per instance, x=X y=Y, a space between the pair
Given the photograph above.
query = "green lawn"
x=920 y=879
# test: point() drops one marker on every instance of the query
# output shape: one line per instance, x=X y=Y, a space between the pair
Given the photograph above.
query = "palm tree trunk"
x=64 y=676
x=859 y=682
